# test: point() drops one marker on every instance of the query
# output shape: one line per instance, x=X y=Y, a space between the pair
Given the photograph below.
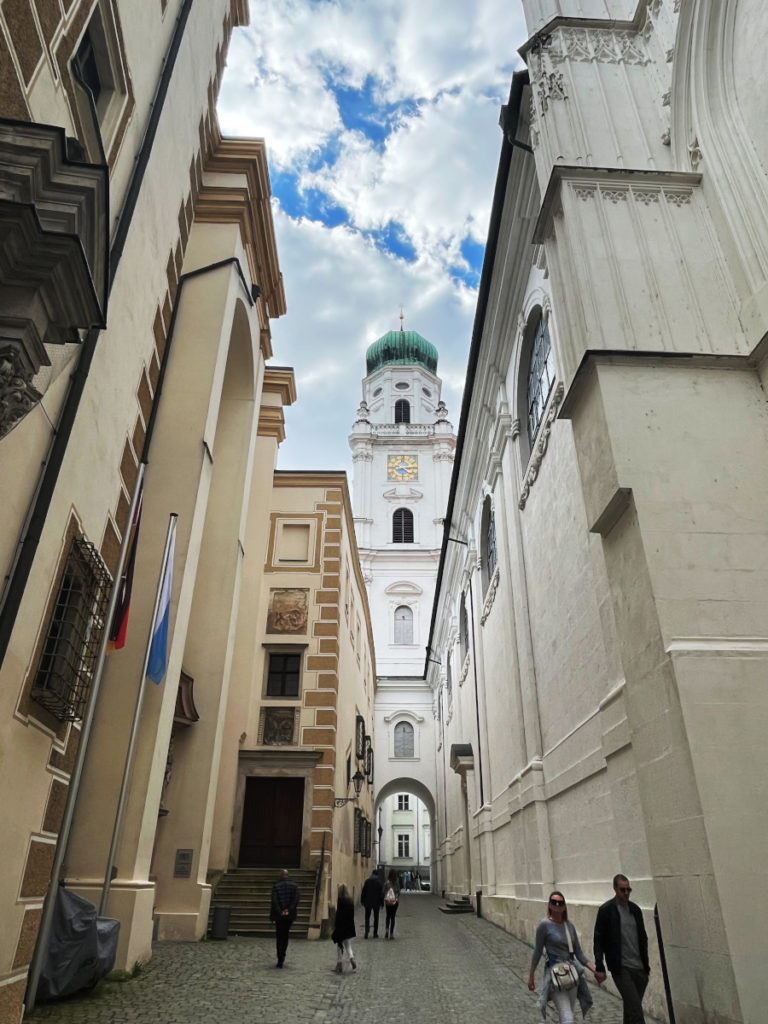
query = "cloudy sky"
x=381 y=123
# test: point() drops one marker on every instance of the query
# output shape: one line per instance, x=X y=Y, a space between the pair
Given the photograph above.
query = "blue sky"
x=381 y=124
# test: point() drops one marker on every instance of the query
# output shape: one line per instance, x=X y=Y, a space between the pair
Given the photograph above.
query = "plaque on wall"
x=182 y=867
x=288 y=610
x=277 y=726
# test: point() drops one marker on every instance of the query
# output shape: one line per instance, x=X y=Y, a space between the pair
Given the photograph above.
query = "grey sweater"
x=552 y=936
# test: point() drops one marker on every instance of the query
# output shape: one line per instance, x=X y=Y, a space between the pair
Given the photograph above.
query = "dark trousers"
x=631 y=985
x=390 y=922
x=282 y=927
x=375 y=911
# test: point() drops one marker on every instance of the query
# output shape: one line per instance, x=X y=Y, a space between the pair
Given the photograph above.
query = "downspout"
x=45 y=490
x=519 y=81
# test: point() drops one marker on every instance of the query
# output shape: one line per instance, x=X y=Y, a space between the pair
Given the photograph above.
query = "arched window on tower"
x=403 y=625
x=404 y=739
x=488 y=542
x=402 y=526
x=402 y=411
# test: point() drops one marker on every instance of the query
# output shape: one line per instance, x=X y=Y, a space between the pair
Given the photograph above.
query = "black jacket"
x=607 y=939
x=372 y=893
x=285 y=896
x=344 y=927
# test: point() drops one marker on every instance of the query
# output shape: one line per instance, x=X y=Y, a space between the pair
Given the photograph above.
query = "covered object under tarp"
x=81 y=949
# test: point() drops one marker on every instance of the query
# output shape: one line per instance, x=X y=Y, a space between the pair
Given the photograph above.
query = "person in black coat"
x=344 y=929
x=371 y=898
x=621 y=943
x=282 y=911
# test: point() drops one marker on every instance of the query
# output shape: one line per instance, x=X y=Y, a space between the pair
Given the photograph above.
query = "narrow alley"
x=440 y=969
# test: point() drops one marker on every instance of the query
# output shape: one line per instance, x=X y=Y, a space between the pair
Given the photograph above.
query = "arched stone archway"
x=411 y=823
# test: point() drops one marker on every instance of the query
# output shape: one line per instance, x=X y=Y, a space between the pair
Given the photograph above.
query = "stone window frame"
x=404 y=636
x=403 y=841
x=269 y=650
x=403 y=523
x=402 y=411
x=116 y=101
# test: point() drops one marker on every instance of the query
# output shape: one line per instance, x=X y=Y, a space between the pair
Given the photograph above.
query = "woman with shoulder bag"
x=564 y=980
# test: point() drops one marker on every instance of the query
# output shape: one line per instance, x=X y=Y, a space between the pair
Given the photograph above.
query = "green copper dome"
x=403 y=348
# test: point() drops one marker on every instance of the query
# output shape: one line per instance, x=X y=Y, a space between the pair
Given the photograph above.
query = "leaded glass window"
x=541 y=377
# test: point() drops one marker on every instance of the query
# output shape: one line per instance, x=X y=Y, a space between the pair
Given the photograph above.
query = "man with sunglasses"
x=621 y=942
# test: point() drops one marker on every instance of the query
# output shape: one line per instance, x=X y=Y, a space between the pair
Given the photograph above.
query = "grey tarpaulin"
x=81 y=949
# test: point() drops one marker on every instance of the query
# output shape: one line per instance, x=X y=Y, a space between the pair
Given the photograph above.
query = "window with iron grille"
x=403 y=739
x=403 y=844
x=403 y=802
x=541 y=377
x=402 y=526
x=359 y=737
x=402 y=411
x=71 y=648
x=403 y=625
x=357 y=830
x=283 y=675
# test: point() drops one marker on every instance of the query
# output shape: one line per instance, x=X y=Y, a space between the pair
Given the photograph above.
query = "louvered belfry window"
x=402 y=411
x=402 y=526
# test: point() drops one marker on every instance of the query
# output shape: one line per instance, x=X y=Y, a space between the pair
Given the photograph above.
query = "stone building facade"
x=600 y=619
x=138 y=279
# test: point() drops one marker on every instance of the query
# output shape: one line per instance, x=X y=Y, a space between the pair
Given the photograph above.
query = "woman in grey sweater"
x=551 y=936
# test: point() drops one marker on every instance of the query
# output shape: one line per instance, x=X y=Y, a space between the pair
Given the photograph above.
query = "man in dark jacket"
x=621 y=942
x=285 y=900
x=371 y=898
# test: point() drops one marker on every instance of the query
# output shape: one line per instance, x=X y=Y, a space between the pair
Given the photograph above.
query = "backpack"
x=390 y=896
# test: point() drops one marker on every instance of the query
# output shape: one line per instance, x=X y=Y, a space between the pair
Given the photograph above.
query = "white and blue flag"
x=158 y=652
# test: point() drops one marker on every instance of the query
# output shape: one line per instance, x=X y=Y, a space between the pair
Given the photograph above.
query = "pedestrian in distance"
x=564 y=979
x=621 y=943
x=344 y=929
x=391 y=903
x=282 y=911
x=371 y=898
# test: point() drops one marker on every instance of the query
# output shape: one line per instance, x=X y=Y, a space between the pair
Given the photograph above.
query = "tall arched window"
x=404 y=739
x=541 y=377
x=402 y=526
x=463 y=629
x=402 y=411
x=403 y=625
x=488 y=541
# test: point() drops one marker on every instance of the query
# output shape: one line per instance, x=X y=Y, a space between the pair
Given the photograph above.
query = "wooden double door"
x=273 y=811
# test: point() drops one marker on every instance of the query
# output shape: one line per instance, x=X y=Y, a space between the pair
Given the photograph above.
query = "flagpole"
x=135 y=725
x=46 y=920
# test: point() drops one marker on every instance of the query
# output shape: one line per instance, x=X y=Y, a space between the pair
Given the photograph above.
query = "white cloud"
x=448 y=63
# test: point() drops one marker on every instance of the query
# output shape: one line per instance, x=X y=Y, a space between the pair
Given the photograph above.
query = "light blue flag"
x=158 y=652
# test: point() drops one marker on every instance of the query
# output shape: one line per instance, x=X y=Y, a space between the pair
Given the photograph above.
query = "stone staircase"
x=248 y=890
x=460 y=905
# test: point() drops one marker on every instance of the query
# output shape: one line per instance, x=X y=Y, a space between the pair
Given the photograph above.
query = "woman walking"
x=391 y=903
x=344 y=929
x=564 y=980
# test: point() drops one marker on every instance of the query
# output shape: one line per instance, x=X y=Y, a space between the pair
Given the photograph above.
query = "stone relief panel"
x=278 y=727
x=288 y=610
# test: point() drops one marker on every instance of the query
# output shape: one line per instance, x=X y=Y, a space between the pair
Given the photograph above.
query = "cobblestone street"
x=439 y=970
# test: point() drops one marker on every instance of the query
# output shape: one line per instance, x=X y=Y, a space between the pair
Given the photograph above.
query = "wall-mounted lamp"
x=357 y=781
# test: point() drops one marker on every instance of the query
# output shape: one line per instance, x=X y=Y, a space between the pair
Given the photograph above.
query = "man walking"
x=285 y=900
x=621 y=942
x=371 y=898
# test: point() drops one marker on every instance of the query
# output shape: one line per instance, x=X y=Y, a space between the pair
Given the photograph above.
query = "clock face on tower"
x=402 y=467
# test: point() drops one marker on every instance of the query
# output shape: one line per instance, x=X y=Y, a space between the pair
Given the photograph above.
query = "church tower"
x=402 y=448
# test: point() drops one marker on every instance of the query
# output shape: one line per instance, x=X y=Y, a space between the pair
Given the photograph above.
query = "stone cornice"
x=279 y=380
x=676 y=182
x=272 y=422
x=249 y=208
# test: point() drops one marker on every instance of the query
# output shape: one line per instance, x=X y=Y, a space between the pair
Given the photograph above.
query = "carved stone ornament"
x=17 y=394
x=277 y=727
x=464 y=669
x=678 y=196
x=490 y=596
x=288 y=610
x=603 y=46
x=541 y=445
x=550 y=86
x=694 y=150
x=363 y=412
